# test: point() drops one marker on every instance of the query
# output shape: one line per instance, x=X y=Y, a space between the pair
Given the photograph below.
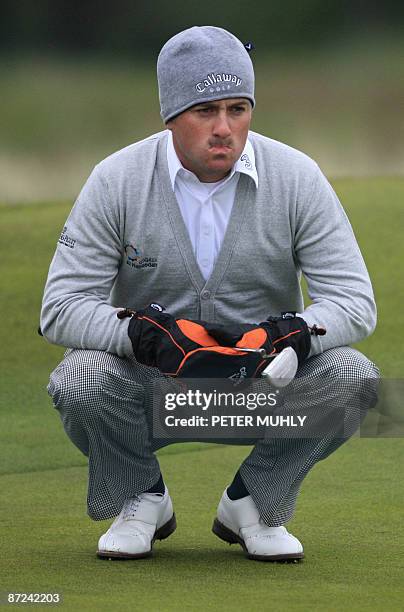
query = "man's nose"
x=221 y=127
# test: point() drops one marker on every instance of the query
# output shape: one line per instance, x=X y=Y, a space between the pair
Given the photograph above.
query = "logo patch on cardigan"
x=66 y=240
x=136 y=259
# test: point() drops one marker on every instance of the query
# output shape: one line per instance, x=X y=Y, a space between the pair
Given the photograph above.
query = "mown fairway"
x=349 y=515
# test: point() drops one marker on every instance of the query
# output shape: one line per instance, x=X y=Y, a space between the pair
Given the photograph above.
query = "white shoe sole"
x=161 y=534
x=230 y=537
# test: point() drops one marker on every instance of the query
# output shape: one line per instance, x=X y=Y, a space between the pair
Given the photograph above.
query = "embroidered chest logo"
x=136 y=259
x=218 y=82
x=66 y=240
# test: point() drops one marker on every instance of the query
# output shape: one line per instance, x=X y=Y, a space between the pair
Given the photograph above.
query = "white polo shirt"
x=206 y=207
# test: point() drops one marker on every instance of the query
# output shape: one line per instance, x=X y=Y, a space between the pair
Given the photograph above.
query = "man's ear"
x=169 y=124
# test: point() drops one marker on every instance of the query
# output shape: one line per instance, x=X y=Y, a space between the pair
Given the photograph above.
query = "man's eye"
x=238 y=109
x=205 y=111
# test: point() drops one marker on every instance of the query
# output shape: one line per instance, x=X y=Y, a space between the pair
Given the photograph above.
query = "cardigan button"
x=206 y=295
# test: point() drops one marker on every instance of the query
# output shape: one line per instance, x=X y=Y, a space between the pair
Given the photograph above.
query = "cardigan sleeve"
x=75 y=310
x=338 y=282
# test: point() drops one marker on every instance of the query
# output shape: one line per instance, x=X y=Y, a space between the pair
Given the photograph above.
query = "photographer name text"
x=235 y=420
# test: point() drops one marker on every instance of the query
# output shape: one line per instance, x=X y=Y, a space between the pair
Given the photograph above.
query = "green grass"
x=349 y=515
x=60 y=116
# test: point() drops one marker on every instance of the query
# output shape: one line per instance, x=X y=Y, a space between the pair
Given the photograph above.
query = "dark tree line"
x=141 y=27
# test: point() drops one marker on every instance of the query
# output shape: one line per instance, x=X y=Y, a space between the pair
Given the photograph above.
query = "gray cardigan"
x=125 y=244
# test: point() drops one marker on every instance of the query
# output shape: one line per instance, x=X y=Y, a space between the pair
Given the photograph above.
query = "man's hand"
x=181 y=347
x=283 y=367
x=289 y=330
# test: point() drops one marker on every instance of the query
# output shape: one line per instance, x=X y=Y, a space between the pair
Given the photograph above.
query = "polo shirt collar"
x=245 y=164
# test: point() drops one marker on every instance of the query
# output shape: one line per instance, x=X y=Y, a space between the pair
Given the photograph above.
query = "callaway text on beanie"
x=201 y=64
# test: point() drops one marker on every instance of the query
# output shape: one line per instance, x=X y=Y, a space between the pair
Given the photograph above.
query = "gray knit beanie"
x=201 y=64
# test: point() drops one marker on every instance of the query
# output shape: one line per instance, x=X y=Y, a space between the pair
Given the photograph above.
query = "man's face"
x=210 y=137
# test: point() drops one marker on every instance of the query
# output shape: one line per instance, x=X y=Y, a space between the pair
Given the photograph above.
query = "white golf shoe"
x=143 y=519
x=238 y=522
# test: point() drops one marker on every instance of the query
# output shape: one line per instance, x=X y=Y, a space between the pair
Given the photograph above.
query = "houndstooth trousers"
x=105 y=404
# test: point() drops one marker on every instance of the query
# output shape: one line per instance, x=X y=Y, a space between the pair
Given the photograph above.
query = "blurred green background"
x=77 y=81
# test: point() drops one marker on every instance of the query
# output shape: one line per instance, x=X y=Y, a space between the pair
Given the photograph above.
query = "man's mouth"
x=220 y=148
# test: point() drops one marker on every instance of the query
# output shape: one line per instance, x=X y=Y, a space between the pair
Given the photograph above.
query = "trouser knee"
x=348 y=364
x=357 y=376
x=87 y=386
x=340 y=385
